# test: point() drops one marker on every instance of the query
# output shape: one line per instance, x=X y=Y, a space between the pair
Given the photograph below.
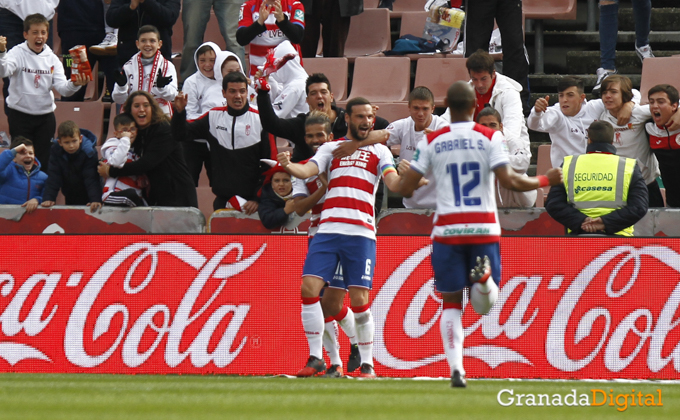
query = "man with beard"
x=346 y=232
x=319 y=97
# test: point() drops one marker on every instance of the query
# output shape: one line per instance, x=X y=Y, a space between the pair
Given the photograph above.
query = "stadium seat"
x=371 y=4
x=439 y=73
x=392 y=111
x=543 y=163
x=381 y=79
x=656 y=71
x=546 y=9
x=404 y=6
x=369 y=33
x=412 y=23
x=88 y=115
x=335 y=68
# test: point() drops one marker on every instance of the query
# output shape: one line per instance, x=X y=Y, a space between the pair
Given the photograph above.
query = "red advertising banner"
x=567 y=308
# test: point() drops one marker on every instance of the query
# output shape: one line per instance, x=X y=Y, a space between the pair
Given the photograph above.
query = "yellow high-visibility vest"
x=597 y=184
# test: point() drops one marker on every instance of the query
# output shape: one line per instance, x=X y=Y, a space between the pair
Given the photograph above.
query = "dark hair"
x=318 y=117
x=625 y=85
x=489 y=111
x=669 y=90
x=35 y=19
x=157 y=114
x=204 y=49
x=480 y=61
x=122 y=119
x=68 y=129
x=316 y=78
x=421 y=93
x=18 y=140
x=228 y=59
x=460 y=97
x=234 y=77
x=569 y=81
x=601 y=132
x=147 y=29
x=355 y=102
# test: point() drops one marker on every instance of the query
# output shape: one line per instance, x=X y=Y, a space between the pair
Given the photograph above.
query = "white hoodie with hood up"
x=203 y=93
x=291 y=98
x=23 y=8
x=33 y=76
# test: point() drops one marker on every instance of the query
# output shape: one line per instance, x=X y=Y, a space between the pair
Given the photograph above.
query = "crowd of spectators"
x=225 y=114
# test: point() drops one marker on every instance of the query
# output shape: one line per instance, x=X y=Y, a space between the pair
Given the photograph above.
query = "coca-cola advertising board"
x=567 y=308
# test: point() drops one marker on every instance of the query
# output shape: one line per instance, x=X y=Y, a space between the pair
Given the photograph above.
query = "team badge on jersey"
x=247 y=129
x=36 y=81
x=300 y=15
x=240 y=12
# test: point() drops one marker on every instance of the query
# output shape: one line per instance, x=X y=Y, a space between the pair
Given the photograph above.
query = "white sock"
x=330 y=342
x=365 y=329
x=451 y=328
x=483 y=296
x=348 y=325
x=312 y=323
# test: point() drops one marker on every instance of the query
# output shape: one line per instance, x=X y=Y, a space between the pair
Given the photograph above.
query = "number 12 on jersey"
x=469 y=171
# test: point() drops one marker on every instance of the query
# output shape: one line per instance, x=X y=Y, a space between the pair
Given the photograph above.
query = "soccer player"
x=464 y=157
x=309 y=195
x=346 y=231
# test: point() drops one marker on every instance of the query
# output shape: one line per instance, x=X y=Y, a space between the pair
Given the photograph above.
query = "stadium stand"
x=656 y=71
x=438 y=74
x=89 y=115
x=369 y=33
x=335 y=68
x=546 y=9
x=392 y=111
x=405 y=6
x=381 y=79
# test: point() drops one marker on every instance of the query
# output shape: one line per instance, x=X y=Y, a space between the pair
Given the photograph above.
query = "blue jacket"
x=76 y=175
x=17 y=187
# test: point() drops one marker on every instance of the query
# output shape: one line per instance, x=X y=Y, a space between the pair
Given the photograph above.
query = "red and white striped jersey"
x=305 y=188
x=462 y=157
x=352 y=184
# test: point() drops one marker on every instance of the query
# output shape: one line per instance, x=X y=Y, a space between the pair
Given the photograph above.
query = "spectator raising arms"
x=237 y=143
x=161 y=157
x=34 y=70
x=265 y=24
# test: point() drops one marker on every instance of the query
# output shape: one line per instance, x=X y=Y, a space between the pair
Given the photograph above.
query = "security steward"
x=602 y=193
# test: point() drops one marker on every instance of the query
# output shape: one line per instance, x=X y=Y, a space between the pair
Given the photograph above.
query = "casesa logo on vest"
x=156 y=318
x=575 y=310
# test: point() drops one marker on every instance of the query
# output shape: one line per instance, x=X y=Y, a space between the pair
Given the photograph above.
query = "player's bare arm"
x=511 y=180
x=296 y=169
x=305 y=204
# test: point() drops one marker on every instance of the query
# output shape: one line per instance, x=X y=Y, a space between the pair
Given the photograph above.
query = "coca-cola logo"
x=617 y=339
x=170 y=327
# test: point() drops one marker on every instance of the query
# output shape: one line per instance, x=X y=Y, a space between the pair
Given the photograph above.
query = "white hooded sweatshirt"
x=291 y=99
x=32 y=77
x=567 y=134
x=23 y=8
x=203 y=93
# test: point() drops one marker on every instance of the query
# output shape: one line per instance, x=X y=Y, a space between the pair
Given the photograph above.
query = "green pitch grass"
x=52 y=396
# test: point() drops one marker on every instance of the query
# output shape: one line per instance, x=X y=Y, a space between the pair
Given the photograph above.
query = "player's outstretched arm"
x=511 y=180
x=296 y=169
